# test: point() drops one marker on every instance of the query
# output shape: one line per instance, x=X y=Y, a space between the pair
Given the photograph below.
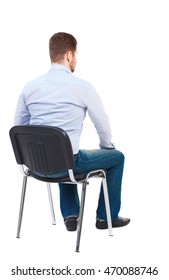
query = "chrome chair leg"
x=21 y=205
x=82 y=203
x=51 y=204
x=107 y=206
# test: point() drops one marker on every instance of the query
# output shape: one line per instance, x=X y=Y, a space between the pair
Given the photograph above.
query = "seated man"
x=60 y=99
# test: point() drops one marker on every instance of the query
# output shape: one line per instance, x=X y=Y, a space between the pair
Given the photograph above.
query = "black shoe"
x=71 y=223
x=119 y=222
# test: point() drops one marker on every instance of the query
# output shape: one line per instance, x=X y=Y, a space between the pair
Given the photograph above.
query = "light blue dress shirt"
x=60 y=99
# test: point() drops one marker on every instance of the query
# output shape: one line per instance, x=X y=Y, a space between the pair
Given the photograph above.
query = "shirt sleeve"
x=22 y=116
x=99 y=118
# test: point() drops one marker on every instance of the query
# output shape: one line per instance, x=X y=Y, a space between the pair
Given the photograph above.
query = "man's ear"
x=69 y=56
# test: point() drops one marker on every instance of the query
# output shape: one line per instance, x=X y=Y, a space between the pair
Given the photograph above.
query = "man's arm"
x=100 y=119
x=22 y=116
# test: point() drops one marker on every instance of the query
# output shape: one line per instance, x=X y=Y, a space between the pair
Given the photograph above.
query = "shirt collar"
x=62 y=67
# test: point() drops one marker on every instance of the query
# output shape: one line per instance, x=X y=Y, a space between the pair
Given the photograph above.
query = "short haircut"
x=59 y=44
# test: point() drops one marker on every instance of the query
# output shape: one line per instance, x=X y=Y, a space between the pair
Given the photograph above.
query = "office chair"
x=42 y=150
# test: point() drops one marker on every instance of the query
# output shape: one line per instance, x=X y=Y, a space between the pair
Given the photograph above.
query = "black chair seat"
x=78 y=177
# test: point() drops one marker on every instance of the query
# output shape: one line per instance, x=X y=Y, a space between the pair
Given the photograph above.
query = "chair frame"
x=27 y=172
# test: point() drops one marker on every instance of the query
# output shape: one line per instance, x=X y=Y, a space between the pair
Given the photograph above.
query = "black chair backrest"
x=42 y=149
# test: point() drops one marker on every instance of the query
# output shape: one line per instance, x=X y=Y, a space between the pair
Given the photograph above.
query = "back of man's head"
x=59 y=44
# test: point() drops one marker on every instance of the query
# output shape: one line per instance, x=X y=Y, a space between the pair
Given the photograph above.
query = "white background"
x=123 y=51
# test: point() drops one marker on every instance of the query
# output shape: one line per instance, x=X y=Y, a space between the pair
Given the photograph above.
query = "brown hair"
x=59 y=44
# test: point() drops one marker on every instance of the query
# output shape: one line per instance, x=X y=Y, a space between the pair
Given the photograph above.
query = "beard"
x=72 y=67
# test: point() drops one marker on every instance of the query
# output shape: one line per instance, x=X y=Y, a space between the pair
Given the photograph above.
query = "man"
x=60 y=99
